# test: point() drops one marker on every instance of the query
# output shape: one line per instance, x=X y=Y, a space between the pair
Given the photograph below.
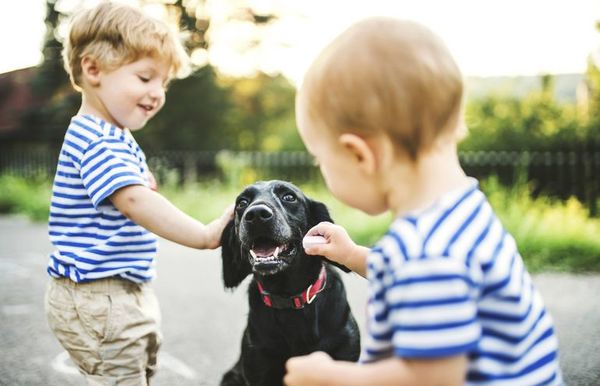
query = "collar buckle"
x=297 y=301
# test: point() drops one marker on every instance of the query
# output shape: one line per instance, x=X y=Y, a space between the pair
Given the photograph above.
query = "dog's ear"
x=318 y=212
x=235 y=266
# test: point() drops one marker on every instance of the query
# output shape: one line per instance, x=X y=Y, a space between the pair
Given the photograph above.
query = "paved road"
x=202 y=323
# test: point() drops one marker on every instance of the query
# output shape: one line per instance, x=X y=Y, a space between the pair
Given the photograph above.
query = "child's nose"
x=157 y=92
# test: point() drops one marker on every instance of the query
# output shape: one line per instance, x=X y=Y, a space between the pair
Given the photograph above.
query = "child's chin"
x=137 y=126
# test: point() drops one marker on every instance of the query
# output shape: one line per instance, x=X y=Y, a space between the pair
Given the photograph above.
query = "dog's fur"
x=270 y=214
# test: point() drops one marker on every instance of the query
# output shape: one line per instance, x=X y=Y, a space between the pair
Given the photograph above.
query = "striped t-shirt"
x=448 y=281
x=92 y=239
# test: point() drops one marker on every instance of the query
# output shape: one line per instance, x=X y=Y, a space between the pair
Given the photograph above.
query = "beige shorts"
x=109 y=327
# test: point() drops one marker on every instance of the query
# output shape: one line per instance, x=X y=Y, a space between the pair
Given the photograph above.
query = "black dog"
x=297 y=302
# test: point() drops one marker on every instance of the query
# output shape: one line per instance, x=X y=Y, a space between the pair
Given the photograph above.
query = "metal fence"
x=559 y=174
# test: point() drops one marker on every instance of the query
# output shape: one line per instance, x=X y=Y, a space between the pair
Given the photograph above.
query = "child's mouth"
x=146 y=108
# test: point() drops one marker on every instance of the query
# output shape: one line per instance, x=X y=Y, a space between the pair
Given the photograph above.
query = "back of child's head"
x=116 y=34
x=387 y=76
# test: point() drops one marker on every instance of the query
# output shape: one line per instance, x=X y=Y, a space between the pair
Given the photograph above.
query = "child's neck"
x=437 y=172
x=91 y=105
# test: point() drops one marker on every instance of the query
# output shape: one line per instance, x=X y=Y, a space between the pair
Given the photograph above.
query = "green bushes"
x=30 y=197
x=551 y=235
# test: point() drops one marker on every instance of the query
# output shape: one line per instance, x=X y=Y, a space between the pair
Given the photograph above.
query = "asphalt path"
x=203 y=323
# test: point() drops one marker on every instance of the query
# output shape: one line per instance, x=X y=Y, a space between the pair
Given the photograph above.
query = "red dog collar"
x=297 y=301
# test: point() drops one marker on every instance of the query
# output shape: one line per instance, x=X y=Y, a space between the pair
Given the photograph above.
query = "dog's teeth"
x=276 y=253
x=252 y=254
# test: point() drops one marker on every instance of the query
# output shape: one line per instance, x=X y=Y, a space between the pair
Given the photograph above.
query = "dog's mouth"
x=268 y=256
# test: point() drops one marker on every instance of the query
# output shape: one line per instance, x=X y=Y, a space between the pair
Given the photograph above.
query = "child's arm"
x=155 y=213
x=318 y=369
x=339 y=247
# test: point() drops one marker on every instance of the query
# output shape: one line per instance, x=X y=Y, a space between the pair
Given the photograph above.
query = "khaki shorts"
x=110 y=328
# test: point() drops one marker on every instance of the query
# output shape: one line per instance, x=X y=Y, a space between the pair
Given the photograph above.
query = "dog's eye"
x=242 y=203
x=288 y=197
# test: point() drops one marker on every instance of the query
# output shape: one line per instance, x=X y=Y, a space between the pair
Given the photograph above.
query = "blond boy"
x=104 y=212
x=451 y=302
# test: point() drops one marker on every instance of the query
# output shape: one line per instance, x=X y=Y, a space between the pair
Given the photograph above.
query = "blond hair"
x=117 y=34
x=390 y=76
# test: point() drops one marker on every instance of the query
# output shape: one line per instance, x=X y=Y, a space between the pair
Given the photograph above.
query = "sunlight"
x=489 y=38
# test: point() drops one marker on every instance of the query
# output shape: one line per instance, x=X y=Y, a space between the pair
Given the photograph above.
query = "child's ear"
x=360 y=151
x=90 y=70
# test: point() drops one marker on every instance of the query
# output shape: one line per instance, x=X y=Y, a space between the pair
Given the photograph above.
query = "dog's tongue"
x=264 y=251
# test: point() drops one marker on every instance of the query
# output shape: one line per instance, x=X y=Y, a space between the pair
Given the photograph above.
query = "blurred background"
x=532 y=71
x=533 y=96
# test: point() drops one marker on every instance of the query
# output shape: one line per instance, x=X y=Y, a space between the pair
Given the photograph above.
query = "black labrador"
x=297 y=302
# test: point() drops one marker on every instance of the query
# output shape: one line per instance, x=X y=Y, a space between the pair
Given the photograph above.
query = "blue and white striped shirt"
x=448 y=281
x=92 y=238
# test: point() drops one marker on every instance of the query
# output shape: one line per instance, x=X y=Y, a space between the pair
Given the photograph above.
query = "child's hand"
x=338 y=245
x=215 y=228
x=309 y=370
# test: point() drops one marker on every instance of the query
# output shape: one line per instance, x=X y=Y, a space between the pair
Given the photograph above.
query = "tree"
x=202 y=112
x=45 y=123
x=534 y=122
x=593 y=88
x=194 y=117
x=263 y=106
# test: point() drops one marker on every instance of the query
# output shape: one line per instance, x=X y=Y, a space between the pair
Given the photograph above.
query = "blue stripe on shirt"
x=489 y=317
x=445 y=215
x=96 y=160
x=482 y=376
x=464 y=226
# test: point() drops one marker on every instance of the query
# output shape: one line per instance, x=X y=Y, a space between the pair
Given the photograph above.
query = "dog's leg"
x=349 y=349
x=260 y=367
x=234 y=377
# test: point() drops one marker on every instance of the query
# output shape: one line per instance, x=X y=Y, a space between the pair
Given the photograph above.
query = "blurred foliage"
x=27 y=196
x=551 y=235
x=536 y=121
x=592 y=112
x=209 y=111
x=194 y=116
x=265 y=107
x=206 y=111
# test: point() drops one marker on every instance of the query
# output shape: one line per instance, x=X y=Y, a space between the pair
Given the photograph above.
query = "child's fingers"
x=320 y=250
x=321 y=229
x=309 y=241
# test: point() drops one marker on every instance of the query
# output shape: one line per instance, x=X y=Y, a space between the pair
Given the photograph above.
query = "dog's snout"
x=258 y=214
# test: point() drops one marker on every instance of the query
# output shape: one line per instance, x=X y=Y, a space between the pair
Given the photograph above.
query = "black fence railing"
x=559 y=174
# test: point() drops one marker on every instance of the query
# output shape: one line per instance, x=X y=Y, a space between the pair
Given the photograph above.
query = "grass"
x=551 y=234
x=363 y=228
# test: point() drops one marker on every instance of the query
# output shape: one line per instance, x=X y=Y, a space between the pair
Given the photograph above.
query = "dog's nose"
x=258 y=214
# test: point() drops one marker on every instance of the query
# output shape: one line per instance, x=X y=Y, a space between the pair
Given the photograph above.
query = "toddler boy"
x=450 y=302
x=104 y=213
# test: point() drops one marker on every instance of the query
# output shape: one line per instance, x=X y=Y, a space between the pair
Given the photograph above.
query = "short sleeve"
x=432 y=309
x=106 y=167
